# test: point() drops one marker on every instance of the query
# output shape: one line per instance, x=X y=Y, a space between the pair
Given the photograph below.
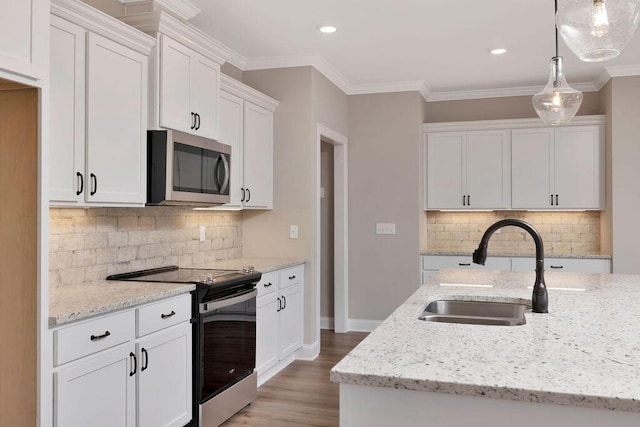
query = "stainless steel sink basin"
x=475 y=312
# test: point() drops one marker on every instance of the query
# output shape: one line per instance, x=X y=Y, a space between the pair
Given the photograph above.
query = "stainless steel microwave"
x=186 y=170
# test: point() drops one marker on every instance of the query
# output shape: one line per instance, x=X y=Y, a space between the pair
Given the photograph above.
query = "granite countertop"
x=85 y=300
x=532 y=255
x=583 y=353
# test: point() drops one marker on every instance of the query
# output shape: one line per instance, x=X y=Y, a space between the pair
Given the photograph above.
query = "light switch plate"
x=385 y=228
x=293 y=232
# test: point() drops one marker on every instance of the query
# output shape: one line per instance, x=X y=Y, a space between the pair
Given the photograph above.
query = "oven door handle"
x=208 y=307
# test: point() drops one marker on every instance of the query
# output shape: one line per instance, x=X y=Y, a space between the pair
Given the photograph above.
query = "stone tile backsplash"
x=89 y=244
x=563 y=233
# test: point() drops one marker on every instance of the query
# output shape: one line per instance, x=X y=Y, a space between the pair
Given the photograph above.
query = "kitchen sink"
x=475 y=312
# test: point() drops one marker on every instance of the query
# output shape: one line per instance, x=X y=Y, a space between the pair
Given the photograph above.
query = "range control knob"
x=248 y=269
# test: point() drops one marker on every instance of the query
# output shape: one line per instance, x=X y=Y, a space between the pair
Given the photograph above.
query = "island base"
x=384 y=407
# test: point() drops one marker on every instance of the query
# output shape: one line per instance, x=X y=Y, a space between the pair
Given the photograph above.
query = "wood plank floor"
x=301 y=394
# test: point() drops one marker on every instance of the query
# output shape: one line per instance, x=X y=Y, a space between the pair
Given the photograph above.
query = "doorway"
x=327 y=271
x=337 y=273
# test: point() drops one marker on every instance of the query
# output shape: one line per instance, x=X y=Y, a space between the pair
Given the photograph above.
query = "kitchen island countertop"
x=583 y=353
x=577 y=255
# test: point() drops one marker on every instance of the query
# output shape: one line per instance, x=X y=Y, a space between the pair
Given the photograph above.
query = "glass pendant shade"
x=597 y=30
x=558 y=102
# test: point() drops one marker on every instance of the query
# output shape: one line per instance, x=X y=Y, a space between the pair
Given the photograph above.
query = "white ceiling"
x=437 y=46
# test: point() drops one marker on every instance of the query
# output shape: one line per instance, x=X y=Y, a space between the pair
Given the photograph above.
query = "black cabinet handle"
x=556 y=200
x=468 y=200
x=94 y=184
x=292 y=277
x=243 y=194
x=79 y=175
x=193 y=120
x=464 y=264
x=464 y=200
x=266 y=285
x=99 y=337
x=198 y=121
x=557 y=266
x=145 y=360
x=166 y=316
x=279 y=305
x=135 y=364
x=285 y=302
x=248 y=195
x=552 y=200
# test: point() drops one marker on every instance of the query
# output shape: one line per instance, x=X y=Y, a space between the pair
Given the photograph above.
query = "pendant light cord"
x=556 y=25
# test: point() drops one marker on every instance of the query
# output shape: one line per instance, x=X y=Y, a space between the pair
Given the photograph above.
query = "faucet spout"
x=540 y=298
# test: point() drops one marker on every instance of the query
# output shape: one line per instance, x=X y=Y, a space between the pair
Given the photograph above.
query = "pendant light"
x=597 y=30
x=558 y=102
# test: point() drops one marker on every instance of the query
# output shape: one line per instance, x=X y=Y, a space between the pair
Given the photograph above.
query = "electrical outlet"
x=293 y=232
x=203 y=235
x=385 y=228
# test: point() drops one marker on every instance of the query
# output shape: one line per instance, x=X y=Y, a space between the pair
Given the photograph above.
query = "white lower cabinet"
x=279 y=318
x=107 y=376
x=430 y=264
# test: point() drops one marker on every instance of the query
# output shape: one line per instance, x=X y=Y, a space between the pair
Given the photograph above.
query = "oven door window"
x=229 y=347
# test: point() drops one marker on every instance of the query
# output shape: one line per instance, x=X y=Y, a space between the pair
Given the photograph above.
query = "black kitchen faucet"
x=539 y=299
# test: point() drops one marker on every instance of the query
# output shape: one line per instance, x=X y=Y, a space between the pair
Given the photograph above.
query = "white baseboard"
x=363 y=325
x=327 y=323
x=308 y=351
x=263 y=377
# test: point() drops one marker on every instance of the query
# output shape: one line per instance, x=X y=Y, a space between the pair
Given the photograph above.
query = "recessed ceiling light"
x=498 y=51
x=328 y=29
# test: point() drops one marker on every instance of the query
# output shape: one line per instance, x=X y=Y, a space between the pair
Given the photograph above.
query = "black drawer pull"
x=266 y=285
x=165 y=316
x=284 y=300
x=79 y=175
x=279 y=305
x=464 y=264
x=292 y=277
x=94 y=183
x=557 y=266
x=135 y=364
x=99 y=337
x=146 y=359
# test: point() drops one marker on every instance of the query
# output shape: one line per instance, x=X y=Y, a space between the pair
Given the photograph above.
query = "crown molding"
x=100 y=23
x=247 y=93
x=623 y=70
x=159 y=21
x=508 y=124
x=182 y=9
x=406 y=86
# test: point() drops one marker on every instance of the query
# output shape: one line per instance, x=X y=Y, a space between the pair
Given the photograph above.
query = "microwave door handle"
x=225 y=182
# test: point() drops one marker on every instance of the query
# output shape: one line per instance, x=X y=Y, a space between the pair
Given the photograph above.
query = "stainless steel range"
x=224 y=337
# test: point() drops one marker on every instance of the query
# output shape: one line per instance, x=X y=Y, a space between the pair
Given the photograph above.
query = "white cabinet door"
x=258 y=156
x=97 y=391
x=488 y=170
x=290 y=320
x=116 y=122
x=232 y=133
x=205 y=92
x=267 y=331
x=531 y=168
x=445 y=170
x=23 y=41
x=577 y=167
x=67 y=180
x=164 y=378
x=175 y=88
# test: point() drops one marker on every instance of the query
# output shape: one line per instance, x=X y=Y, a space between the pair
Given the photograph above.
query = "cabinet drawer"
x=438 y=262
x=74 y=342
x=163 y=314
x=291 y=276
x=268 y=283
x=572 y=265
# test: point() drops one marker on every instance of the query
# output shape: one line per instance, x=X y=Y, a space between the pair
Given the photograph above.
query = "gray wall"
x=306 y=98
x=232 y=71
x=515 y=107
x=625 y=172
x=384 y=177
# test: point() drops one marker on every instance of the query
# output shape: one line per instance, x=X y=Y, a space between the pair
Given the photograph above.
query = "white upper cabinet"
x=99 y=74
x=468 y=170
x=515 y=164
x=189 y=90
x=246 y=123
x=558 y=168
x=23 y=43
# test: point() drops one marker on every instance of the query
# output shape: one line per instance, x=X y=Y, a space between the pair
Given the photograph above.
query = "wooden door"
x=18 y=256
